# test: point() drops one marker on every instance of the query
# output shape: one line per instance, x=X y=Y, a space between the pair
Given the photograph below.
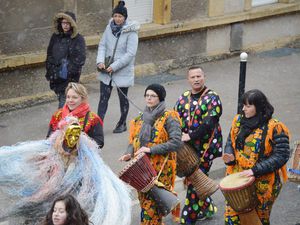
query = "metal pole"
x=242 y=81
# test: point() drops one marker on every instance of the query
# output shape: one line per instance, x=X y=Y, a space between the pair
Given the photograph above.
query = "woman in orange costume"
x=258 y=145
x=156 y=132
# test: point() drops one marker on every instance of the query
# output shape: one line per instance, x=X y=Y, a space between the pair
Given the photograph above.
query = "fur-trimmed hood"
x=69 y=18
x=131 y=26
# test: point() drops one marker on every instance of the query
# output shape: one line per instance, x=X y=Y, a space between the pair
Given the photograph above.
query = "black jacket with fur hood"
x=62 y=45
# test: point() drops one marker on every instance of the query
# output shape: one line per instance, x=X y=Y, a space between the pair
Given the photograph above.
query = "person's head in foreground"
x=66 y=210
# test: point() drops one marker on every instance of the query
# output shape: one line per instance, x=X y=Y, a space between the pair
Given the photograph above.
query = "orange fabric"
x=247 y=159
x=168 y=175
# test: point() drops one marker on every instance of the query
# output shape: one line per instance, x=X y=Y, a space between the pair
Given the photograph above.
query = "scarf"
x=116 y=29
x=79 y=112
x=247 y=126
x=149 y=117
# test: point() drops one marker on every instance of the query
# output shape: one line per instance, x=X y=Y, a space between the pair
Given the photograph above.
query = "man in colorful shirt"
x=200 y=109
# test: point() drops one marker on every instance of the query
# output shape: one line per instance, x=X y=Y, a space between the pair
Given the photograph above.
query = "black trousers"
x=105 y=92
x=61 y=96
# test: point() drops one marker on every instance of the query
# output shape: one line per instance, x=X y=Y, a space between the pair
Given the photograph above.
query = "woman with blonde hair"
x=77 y=106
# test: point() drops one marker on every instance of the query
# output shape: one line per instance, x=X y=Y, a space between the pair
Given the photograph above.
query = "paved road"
x=275 y=72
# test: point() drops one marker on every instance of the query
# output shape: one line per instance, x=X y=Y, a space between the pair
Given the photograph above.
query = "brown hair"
x=195 y=67
x=75 y=214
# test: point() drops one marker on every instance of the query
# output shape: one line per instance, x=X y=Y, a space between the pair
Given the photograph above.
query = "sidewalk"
x=275 y=72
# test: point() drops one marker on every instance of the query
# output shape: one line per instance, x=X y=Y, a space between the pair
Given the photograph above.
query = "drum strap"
x=162 y=167
x=155 y=179
x=198 y=103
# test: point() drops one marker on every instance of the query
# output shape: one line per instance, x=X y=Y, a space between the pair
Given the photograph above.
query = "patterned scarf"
x=116 y=29
x=149 y=117
x=247 y=126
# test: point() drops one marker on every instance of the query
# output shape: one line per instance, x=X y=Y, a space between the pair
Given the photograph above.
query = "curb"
x=141 y=70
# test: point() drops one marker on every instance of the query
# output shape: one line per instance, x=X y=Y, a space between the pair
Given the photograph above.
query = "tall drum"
x=141 y=175
x=240 y=193
x=294 y=171
x=188 y=166
x=187 y=161
x=204 y=186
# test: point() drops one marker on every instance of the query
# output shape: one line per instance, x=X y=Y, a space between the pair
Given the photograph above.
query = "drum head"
x=235 y=181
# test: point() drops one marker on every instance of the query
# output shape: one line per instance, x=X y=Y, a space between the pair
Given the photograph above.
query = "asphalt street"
x=275 y=72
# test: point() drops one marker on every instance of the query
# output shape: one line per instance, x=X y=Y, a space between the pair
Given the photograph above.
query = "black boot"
x=121 y=127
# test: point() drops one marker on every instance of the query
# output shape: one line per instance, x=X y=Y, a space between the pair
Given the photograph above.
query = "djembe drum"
x=187 y=161
x=188 y=166
x=141 y=175
x=294 y=171
x=240 y=193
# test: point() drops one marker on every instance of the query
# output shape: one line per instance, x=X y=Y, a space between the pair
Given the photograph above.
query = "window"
x=262 y=2
x=141 y=11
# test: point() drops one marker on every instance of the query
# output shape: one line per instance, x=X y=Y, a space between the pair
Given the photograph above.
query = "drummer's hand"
x=125 y=157
x=141 y=150
x=185 y=137
x=247 y=173
x=228 y=157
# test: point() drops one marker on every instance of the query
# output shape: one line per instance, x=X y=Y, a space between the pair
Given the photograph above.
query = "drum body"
x=165 y=200
x=240 y=192
x=139 y=173
x=204 y=186
x=294 y=171
x=187 y=161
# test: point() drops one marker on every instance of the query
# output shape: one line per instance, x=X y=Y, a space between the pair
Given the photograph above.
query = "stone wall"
x=188 y=10
x=26 y=26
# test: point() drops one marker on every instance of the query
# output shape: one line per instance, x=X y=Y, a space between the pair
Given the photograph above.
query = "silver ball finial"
x=243 y=57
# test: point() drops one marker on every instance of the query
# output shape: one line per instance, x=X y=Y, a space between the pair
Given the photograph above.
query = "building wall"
x=28 y=27
x=271 y=30
x=187 y=10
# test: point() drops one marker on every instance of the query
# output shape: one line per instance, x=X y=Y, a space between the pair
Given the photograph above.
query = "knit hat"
x=120 y=9
x=158 y=89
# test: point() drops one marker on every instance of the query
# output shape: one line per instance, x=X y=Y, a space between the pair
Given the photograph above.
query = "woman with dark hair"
x=65 y=55
x=257 y=145
x=66 y=210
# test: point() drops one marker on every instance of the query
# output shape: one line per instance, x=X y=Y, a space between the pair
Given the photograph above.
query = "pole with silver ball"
x=242 y=80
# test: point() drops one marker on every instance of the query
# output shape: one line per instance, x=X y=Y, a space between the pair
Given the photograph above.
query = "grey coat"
x=123 y=65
